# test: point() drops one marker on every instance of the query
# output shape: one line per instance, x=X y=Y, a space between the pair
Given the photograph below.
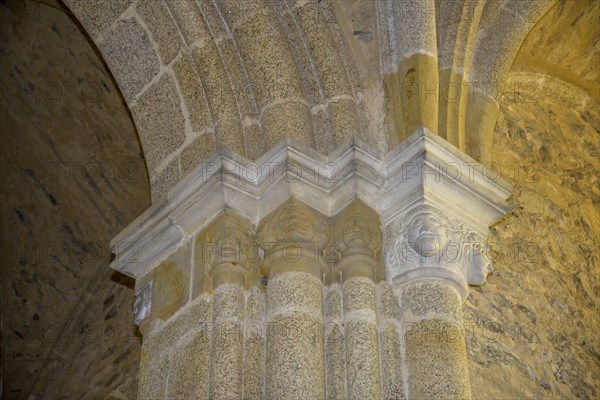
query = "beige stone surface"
x=124 y=45
x=295 y=362
x=361 y=339
x=295 y=347
x=201 y=74
x=163 y=29
x=254 y=344
x=335 y=362
x=436 y=360
x=159 y=120
x=572 y=58
x=531 y=330
x=189 y=370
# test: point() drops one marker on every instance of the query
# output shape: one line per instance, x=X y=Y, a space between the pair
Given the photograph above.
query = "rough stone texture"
x=226 y=361
x=97 y=16
x=295 y=353
x=131 y=57
x=166 y=369
x=200 y=149
x=361 y=339
x=389 y=304
x=227 y=343
x=294 y=290
x=188 y=377
x=327 y=55
x=335 y=363
x=166 y=178
x=389 y=343
x=362 y=360
x=73 y=176
x=159 y=120
x=436 y=360
x=287 y=118
x=295 y=366
x=193 y=96
x=422 y=298
x=392 y=386
x=254 y=344
x=359 y=294
x=162 y=28
x=196 y=316
x=572 y=57
x=154 y=370
x=532 y=329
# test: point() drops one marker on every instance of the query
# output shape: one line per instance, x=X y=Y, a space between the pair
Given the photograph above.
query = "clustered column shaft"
x=310 y=317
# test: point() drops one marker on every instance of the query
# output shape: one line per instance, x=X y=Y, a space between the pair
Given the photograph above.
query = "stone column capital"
x=356 y=234
x=424 y=180
x=293 y=238
x=425 y=242
x=227 y=249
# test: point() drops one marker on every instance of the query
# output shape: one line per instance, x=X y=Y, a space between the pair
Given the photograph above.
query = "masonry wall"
x=532 y=329
x=72 y=175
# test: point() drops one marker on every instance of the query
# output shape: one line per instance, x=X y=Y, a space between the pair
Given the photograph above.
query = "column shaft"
x=295 y=356
x=335 y=364
x=227 y=343
x=434 y=339
x=254 y=345
x=390 y=344
x=362 y=351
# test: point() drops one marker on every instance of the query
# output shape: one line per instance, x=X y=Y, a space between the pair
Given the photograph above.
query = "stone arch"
x=502 y=31
x=192 y=76
x=442 y=61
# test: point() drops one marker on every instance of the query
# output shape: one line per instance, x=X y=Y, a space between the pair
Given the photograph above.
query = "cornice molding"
x=419 y=170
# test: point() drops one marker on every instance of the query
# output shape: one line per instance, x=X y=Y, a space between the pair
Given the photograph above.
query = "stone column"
x=293 y=238
x=358 y=236
x=228 y=272
x=223 y=319
x=430 y=268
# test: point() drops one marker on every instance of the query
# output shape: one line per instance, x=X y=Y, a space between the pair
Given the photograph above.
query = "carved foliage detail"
x=357 y=229
x=294 y=223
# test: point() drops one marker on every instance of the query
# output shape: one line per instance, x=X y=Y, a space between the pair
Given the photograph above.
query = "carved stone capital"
x=477 y=254
x=424 y=183
x=293 y=238
x=357 y=236
x=227 y=250
x=426 y=242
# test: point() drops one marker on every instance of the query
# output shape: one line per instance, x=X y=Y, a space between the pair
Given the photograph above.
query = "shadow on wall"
x=72 y=176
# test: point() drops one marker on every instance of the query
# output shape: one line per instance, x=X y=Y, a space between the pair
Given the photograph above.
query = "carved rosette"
x=293 y=238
